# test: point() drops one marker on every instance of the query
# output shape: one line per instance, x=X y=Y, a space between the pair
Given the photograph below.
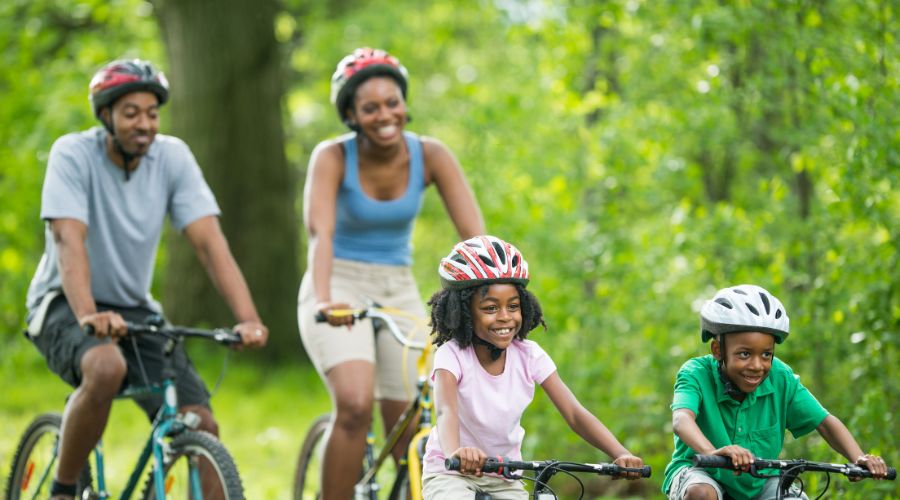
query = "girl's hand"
x=471 y=460
x=741 y=457
x=630 y=461
x=874 y=463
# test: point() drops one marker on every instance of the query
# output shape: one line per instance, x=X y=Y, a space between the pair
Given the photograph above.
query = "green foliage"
x=641 y=154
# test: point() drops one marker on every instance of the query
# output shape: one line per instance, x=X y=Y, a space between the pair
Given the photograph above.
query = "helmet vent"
x=765 y=301
x=752 y=309
x=738 y=290
x=500 y=253
x=486 y=260
x=778 y=314
x=725 y=303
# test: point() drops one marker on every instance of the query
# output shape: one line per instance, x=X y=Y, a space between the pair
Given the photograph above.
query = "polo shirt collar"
x=764 y=389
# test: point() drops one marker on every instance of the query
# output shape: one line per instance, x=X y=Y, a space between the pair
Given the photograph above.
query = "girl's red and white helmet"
x=744 y=308
x=483 y=260
x=122 y=77
x=359 y=66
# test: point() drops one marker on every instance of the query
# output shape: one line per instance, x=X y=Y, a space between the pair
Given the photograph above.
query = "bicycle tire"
x=309 y=468
x=190 y=446
x=35 y=452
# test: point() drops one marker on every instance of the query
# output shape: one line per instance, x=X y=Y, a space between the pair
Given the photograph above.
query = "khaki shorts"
x=459 y=487
x=353 y=283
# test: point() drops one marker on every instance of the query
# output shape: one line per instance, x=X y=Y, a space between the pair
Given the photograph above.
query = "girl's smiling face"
x=748 y=358
x=497 y=314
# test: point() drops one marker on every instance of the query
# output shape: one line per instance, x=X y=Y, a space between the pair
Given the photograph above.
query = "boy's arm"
x=445 y=403
x=585 y=424
x=684 y=425
x=839 y=438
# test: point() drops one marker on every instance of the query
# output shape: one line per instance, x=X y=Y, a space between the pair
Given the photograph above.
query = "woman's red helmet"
x=358 y=67
x=122 y=77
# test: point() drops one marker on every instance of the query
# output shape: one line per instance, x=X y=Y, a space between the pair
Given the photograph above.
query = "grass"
x=263 y=412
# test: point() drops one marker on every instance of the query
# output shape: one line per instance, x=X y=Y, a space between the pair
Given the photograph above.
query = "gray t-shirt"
x=124 y=218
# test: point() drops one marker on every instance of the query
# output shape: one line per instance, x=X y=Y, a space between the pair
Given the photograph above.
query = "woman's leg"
x=352 y=389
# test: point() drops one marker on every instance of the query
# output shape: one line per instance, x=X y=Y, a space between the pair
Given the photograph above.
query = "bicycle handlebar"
x=504 y=466
x=849 y=470
x=219 y=335
x=375 y=312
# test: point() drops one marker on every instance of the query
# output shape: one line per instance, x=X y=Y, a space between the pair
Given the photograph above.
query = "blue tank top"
x=377 y=231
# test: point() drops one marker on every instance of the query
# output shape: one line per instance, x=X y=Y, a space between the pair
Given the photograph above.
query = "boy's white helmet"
x=744 y=308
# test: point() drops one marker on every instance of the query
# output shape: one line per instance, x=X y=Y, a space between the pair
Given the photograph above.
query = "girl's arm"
x=585 y=424
x=443 y=169
x=445 y=399
x=839 y=438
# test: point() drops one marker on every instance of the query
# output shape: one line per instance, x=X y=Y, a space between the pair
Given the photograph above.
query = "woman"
x=363 y=191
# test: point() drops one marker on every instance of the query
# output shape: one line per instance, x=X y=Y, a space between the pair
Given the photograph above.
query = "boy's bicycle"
x=544 y=470
x=177 y=449
x=789 y=470
x=408 y=480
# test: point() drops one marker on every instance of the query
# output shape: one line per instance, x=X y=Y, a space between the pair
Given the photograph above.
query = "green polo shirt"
x=757 y=423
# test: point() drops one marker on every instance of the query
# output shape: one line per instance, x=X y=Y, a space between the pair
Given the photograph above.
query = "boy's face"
x=497 y=314
x=748 y=358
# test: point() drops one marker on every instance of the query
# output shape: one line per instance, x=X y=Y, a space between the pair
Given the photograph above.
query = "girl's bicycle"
x=544 y=470
x=408 y=480
x=178 y=451
x=789 y=471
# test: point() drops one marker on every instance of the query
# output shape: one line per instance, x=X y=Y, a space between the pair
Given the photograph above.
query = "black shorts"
x=62 y=343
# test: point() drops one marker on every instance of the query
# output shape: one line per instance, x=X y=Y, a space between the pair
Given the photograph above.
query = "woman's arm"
x=442 y=168
x=585 y=424
x=445 y=400
x=323 y=178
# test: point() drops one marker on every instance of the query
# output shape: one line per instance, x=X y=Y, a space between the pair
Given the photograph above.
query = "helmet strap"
x=127 y=157
x=730 y=388
x=495 y=351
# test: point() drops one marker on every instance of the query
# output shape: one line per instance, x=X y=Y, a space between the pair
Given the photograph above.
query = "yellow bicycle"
x=408 y=480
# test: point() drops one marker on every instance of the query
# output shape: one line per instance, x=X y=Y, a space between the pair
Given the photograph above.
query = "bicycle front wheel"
x=197 y=466
x=309 y=464
x=33 y=463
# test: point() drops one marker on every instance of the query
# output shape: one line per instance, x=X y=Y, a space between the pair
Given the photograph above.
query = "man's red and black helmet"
x=122 y=77
x=358 y=67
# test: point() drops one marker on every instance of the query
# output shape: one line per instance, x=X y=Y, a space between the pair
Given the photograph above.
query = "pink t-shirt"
x=489 y=406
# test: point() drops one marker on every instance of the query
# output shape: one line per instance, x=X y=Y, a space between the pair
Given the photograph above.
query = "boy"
x=738 y=401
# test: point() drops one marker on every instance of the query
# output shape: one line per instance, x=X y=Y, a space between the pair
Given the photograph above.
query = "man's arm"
x=69 y=236
x=212 y=249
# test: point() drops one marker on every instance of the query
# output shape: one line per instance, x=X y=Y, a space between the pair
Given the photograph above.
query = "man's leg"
x=102 y=372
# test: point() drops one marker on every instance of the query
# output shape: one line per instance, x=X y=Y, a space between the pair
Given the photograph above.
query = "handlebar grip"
x=646 y=471
x=891 y=473
x=320 y=317
x=88 y=329
x=451 y=463
x=712 y=461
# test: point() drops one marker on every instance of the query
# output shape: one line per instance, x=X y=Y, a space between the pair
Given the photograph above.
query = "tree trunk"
x=226 y=90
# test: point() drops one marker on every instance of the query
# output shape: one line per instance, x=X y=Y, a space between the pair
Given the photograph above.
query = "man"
x=106 y=194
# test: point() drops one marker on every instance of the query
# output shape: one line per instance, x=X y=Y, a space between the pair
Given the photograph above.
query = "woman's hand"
x=331 y=311
x=471 y=460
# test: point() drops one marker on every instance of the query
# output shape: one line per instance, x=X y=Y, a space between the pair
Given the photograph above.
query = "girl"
x=485 y=372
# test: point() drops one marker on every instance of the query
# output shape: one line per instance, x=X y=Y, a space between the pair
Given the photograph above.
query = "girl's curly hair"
x=451 y=316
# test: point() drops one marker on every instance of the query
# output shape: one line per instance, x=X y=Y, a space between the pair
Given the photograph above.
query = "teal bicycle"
x=178 y=451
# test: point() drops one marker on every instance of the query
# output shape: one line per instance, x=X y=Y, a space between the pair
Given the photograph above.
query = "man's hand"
x=253 y=333
x=105 y=324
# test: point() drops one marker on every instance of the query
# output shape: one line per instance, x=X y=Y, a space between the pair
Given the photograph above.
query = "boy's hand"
x=471 y=460
x=741 y=457
x=874 y=463
x=630 y=461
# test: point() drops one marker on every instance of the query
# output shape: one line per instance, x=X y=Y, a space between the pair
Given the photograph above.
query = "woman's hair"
x=451 y=314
